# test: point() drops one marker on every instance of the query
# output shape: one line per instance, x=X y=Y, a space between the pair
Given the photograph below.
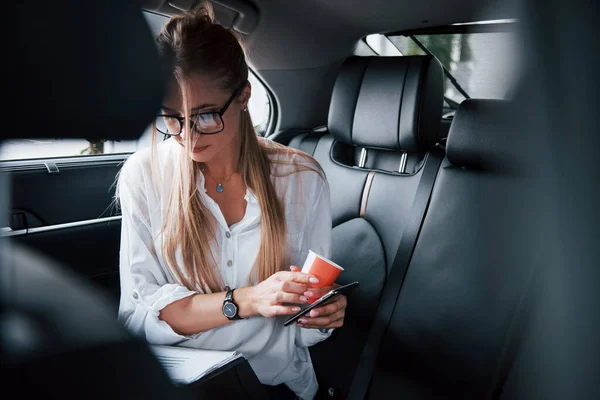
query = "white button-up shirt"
x=276 y=353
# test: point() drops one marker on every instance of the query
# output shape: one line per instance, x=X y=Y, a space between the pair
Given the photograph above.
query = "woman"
x=213 y=217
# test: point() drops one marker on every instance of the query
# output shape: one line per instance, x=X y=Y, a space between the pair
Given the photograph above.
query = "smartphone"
x=346 y=289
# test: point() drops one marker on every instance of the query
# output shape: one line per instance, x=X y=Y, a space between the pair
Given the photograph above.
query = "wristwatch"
x=230 y=309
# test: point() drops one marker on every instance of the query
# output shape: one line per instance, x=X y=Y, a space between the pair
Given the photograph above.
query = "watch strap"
x=228 y=295
x=229 y=299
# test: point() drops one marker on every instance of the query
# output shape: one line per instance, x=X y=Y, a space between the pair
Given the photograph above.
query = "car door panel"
x=50 y=192
x=65 y=209
x=89 y=248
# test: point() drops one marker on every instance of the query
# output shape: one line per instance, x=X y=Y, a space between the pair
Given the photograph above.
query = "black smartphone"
x=346 y=289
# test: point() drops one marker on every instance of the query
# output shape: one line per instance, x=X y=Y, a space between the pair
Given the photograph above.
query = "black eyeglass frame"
x=194 y=117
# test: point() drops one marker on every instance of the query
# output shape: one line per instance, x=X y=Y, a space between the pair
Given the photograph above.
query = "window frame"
x=460 y=28
x=491 y=26
x=273 y=105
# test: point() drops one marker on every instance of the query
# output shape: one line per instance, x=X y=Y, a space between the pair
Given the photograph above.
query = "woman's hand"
x=329 y=315
x=268 y=297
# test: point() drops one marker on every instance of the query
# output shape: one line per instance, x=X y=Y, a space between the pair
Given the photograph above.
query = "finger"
x=329 y=308
x=283 y=297
x=329 y=321
x=322 y=320
x=336 y=324
x=299 y=277
x=283 y=310
x=293 y=268
x=322 y=291
x=293 y=287
x=318 y=292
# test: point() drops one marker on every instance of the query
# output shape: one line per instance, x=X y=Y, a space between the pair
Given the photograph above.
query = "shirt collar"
x=252 y=208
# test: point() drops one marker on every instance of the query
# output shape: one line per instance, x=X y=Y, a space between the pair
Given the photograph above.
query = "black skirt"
x=280 y=392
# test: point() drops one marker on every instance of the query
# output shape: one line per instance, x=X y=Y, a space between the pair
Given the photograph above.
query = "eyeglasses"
x=207 y=123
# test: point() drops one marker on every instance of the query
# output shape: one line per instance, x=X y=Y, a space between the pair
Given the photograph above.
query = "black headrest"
x=483 y=135
x=390 y=103
x=80 y=69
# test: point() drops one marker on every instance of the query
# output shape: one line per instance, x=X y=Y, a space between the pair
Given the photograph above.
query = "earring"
x=245 y=108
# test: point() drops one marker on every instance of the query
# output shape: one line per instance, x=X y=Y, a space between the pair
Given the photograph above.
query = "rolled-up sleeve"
x=145 y=289
x=317 y=237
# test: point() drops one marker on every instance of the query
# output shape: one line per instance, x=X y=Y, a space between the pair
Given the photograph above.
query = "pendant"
x=219 y=188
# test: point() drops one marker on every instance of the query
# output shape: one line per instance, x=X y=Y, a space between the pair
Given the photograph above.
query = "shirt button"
x=135 y=295
x=229 y=263
x=228 y=235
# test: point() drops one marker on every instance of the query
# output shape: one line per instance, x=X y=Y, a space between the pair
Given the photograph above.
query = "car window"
x=485 y=64
x=19 y=149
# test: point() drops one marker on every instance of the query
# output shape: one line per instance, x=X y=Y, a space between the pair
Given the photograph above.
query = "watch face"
x=229 y=309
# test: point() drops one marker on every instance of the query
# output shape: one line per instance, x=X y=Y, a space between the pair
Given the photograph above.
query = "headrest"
x=81 y=69
x=482 y=135
x=390 y=103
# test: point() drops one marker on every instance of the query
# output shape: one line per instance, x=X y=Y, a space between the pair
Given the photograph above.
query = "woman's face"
x=206 y=96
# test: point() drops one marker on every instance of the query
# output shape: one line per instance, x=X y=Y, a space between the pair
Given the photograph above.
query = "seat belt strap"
x=364 y=370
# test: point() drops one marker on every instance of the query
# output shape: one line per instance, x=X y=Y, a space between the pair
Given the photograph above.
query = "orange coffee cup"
x=323 y=268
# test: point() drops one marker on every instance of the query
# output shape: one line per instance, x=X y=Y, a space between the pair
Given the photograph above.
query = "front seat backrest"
x=80 y=70
x=467 y=282
x=77 y=70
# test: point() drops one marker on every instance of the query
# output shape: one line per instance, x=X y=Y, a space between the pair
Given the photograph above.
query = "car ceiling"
x=314 y=33
x=296 y=47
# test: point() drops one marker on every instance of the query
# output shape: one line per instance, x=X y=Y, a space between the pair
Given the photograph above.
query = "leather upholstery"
x=388 y=208
x=387 y=105
x=481 y=137
x=81 y=70
x=87 y=70
x=465 y=283
x=346 y=184
x=390 y=103
x=344 y=98
x=365 y=247
x=366 y=264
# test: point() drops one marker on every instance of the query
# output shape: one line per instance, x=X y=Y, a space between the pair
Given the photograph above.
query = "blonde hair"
x=193 y=43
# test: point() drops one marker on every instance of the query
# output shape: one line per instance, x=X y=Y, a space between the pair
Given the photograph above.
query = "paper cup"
x=324 y=269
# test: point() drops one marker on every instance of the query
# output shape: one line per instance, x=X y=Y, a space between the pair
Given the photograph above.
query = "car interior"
x=466 y=207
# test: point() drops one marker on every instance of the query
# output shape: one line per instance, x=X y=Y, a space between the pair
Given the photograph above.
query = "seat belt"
x=364 y=370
